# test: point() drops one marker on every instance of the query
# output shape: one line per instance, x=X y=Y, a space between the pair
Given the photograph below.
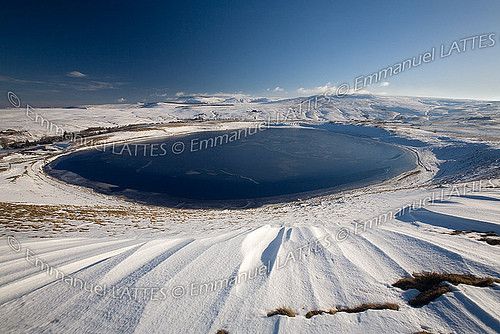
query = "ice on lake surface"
x=232 y=165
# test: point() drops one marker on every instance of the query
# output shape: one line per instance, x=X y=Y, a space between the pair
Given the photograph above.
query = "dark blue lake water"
x=235 y=168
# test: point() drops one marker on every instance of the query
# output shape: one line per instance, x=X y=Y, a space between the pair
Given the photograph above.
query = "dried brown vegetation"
x=431 y=285
x=356 y=309
x=313 y=313
x=286 y=311
x=491 y=241
x=49 y=219
x=491 y=238
x=369 y=306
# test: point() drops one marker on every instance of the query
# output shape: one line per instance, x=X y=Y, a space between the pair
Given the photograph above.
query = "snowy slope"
x=359 y=269
x=162 y=270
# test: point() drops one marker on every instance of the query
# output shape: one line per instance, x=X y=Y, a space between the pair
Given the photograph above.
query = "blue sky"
x=72 y=52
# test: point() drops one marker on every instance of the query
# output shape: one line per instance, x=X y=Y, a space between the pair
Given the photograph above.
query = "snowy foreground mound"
x=231 y=281
x=76 y=261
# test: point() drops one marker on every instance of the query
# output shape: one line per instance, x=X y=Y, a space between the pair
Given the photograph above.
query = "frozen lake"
x=238 y=167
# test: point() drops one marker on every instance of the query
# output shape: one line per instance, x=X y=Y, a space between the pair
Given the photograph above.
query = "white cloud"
x=122 y=99
x=384 y=84
x=276 y=89
x=75 y=74
x=179 y=94
x=328 y=88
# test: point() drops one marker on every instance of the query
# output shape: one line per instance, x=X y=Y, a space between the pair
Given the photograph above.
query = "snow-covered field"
x=78 y=261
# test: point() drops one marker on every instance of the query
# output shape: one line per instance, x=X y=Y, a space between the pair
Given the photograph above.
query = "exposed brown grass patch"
x=490 y=241
x=426 y=297
x=28 y=218
x=491 y=238
x=369 y=306
x=286 y=311
x=313 y=313
x=222 y=331
x=430 y=285
x=356 y=309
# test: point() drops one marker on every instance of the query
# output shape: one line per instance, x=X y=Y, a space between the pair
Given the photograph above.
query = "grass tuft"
x=222 y=331
x=286 y=311
x=356 y=309
x=313 y=313
x=490 y=237
x=430 y=285
x=369 y=306
x=426 y=297
x=490 y=241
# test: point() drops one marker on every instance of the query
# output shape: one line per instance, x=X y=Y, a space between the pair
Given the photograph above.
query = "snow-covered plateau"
x=77 y=261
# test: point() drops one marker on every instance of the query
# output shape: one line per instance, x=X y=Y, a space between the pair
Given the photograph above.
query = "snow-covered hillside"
x=78 y=261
